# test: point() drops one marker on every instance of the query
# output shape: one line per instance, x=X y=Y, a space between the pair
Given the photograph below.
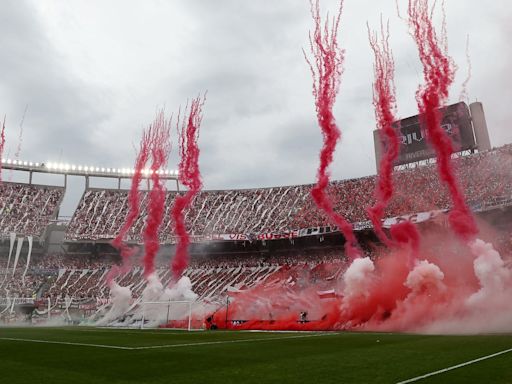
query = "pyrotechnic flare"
x=464 y=87
x=2 y=145
x=133 y=204
x=326 y=69
x=20 y=137
x=384 y=101
x=160 y=148
x=190 y=177
x=438 y=71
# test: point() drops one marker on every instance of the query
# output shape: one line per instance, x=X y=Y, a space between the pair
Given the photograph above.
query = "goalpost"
x=8 y=305
x=164 y=312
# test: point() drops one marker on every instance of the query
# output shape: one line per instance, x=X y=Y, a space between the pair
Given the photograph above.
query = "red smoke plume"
x=464 y=87
x=133 y=203
x=384 y=101
x=161 y=146
x=438 y=71
x=445 y=292
x=327 y=69
x=2 y=144
x=190 y=177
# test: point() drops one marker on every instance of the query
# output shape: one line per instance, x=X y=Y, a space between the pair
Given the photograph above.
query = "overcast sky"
x=92 y=73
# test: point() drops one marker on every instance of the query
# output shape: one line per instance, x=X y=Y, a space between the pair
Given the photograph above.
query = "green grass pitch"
x=91 y=355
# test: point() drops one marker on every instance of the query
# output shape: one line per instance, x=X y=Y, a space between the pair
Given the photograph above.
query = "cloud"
x=63 y=112
x=94 y=73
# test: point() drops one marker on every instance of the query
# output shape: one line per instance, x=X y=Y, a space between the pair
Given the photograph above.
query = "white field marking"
x=273 y=331
x=132 y=332
x=455 y=367
x=231 y=341
x=67 y=343
x=167 y=345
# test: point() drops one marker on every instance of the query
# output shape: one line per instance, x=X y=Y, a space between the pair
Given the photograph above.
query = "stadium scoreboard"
x=456 y=121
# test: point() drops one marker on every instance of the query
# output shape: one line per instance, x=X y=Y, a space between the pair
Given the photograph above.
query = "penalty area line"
x=67 y=343
x=455 y=367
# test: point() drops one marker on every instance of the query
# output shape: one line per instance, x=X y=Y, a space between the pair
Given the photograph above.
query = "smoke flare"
x=20 y=137
x=189 y=176
x=2 y=145
x=438 y=71
x=328 y=60
x=133 y=204
x=160 y=148
x=464 y=87
x=384 y=101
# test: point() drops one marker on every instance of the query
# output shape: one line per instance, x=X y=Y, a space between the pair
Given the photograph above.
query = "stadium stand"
x=27 y=209
x=485 y=177
x=80 y=277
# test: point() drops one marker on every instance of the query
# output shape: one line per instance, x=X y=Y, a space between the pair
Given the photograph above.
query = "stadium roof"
x=81 y=170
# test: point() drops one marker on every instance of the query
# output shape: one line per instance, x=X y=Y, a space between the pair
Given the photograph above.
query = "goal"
x=176 y=314
x=12 y=307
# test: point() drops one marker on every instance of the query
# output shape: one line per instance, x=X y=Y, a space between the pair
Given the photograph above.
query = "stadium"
x=404 y=275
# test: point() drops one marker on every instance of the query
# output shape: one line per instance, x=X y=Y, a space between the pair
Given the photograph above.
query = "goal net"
x=168 y=314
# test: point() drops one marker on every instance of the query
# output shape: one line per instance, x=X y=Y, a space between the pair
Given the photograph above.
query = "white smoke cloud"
x=182 y=290
x=487 y=310
x=425 y=277
x=358 y=278
x=493 y=276
x=121 y=298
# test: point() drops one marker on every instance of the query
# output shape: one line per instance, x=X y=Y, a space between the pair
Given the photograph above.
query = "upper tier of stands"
x=485 y=177
x=27 y=209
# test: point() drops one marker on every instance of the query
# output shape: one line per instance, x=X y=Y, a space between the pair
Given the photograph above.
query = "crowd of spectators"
x=485 y=178
x=27 y=209
x=83 y=278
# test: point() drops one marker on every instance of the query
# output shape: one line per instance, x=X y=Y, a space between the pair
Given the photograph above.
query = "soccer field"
x=94 y=355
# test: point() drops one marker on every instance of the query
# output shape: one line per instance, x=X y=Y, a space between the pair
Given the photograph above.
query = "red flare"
x=190 y=177
x=160 y=131
x=438 y=71
x=384 y=101
x=464 y=87
x=328 y=60
x=2 y=145
x=133 y=204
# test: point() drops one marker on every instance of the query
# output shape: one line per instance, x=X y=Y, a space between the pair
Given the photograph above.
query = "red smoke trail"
x=160 y=149
x=20 y=138
x=2 y=145
x=190 y=177
x=438 y=71
x=133 y=204
x=464 y=91
x=384 y=101
x=326 y=72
